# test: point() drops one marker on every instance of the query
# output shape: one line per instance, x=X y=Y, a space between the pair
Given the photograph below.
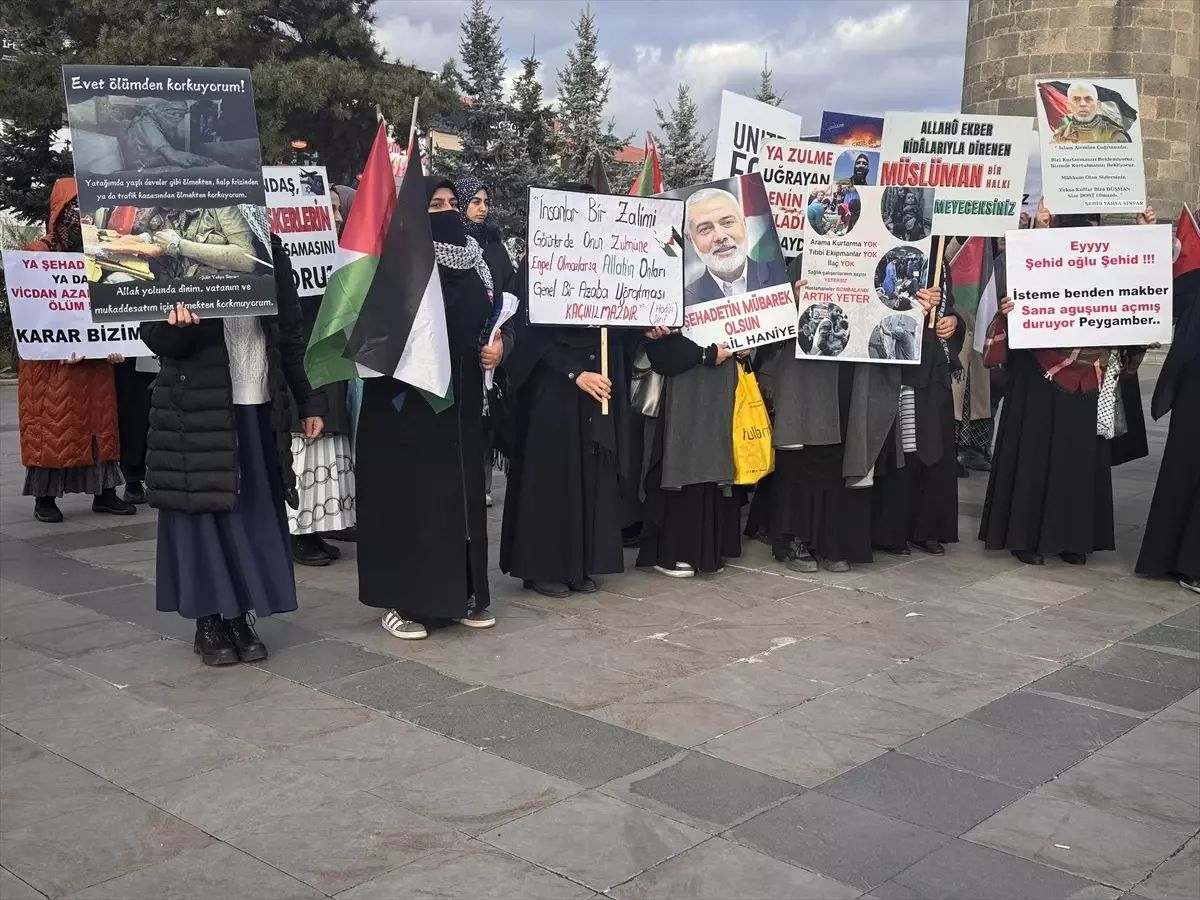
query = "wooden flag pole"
x=604 y=365
x=937 y=276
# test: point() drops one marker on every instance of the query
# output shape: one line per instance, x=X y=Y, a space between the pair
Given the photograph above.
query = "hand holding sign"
x=595 y=384
x=181 y=316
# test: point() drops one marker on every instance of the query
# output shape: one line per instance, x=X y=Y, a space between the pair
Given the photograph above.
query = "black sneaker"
x=135 y=493
x=308 y=552
x=46 y=510
x=108 y=502
x=213 y=643
x=246 y=641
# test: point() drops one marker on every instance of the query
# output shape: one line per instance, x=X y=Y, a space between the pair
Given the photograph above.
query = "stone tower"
x=1012 y=42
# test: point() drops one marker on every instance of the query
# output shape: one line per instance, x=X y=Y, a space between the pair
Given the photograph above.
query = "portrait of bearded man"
x=1086 y=124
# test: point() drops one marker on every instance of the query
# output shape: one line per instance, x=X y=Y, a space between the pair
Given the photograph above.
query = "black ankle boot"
x=307 y=551
x=245 y=639
x=135 y=492
x=109 y=502
x=213 y=643
x=46 y=510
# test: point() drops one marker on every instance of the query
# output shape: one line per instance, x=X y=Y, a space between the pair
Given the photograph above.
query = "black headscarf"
x=465 y=190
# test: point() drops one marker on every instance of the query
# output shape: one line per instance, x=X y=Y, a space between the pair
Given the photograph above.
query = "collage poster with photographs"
x=300 y=209
x=171 y=195
x=735 y=283
x=863 y=274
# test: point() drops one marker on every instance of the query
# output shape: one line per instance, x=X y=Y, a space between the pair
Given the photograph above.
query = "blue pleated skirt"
x=235 y=562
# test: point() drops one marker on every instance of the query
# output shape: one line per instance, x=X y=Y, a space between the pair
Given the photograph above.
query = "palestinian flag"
x=1112 y=105
x=357 y=259
x=649 y=181
x=760 y=221
x=401 y=328
x=597 y=177
x=974 y=277
x=1187 y=236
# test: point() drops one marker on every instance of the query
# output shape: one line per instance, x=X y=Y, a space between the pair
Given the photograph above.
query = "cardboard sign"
x=789 y=170
x=596 y=259
x=743 y=127
x=167 y=160
x=301 y=213
x=737 y=290
x=1089 y=287
x=865 y=257
x=976 y=164
x=51 y=310
x=1091 y=136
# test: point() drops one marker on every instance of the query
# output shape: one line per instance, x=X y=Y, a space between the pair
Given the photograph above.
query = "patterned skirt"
x=325 y=481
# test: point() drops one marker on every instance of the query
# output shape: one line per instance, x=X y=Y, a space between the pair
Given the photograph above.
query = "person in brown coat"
x=68 y=409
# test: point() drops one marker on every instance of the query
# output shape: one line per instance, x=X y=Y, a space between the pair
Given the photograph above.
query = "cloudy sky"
x=862 y=56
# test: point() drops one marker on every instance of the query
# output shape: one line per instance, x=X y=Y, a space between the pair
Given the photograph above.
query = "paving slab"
x=1127 y=696
x=718 y=869
x=877 y=720
x=847 y=843
x=1095 y=844
x=1146 y=665
x=580 y=686
x=1058 y=721
x=488 y=717
x=1189 y=618
x=1133 y=791
x=13 y=656
x=13 y=888
x=395 y=687
x=1004 y=756
x=1167 y=746
x=14 y=749
x=317 y=661
x=675 y=715
x=595 y=840
x=1176 y=879
x=45 y=786
x=755 y=686
x=928 y=687
x=1167 y=639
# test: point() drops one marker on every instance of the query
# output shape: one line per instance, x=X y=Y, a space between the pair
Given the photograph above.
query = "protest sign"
x=1032 y=195
x=976 y=164
x=789 y=169
x=170 y=191
x=1089 y=287
x=49 y=304
x=851 y=130
x=864 y=260
x=301 y=213
x=598 y=259
x=743 y=127
x=1091 y=139
x=737 y=288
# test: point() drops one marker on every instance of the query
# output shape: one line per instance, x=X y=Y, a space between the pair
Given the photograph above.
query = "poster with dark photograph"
x=170 y=191
x=863 y=272
x=851 y=130
x=736 y=289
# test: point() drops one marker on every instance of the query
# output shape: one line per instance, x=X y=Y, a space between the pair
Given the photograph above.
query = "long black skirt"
x=240 y=561
x=917 y=502
x=810 y=502
x=562 y=506
x=133 y=416
x=1171 y=543
x=422 y=519
x=699 y=524
x=1050 y=489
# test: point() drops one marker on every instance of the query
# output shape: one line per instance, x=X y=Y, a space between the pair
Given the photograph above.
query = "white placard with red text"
x=51 y=310
x=301 y=213
x=789 y=169
x=1089 y=287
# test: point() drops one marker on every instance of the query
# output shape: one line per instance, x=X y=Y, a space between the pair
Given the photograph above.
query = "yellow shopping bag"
x=753 y=455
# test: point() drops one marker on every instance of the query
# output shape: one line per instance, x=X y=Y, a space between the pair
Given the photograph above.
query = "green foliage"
x=766 y=91
x=683 y=152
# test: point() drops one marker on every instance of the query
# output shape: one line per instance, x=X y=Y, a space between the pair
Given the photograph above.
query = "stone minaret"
x=1012 y=42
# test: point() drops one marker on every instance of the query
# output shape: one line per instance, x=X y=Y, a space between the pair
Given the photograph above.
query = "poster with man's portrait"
x=736 y=289
x=1091 y=141
x=171 y=196
x=860 y=301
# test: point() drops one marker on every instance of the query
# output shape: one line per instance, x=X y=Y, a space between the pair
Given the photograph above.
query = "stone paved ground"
x=931 y=728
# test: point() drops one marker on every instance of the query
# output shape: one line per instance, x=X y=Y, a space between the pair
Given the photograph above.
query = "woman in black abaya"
x=422 y=524
x=563 y=506
x=1171 y=543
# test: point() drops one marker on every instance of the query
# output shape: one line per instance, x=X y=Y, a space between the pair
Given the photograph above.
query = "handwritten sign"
x=866 y=254
x=1089 y=287
x=789 y=170
x=604 y=260
x=976 y=163
x=51 y=310
x=301 y=213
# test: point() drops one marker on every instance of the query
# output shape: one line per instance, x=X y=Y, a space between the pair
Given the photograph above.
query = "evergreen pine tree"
x=683 y=153
x=583 y=88
x=532 y=117
x=766 y=91
x=483 y=85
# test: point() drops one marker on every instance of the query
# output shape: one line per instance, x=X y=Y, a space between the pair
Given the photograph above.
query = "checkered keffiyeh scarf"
x=468 y=256
x=256 y=218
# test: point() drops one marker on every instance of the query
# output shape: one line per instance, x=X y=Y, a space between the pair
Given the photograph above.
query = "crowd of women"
x=236 y=450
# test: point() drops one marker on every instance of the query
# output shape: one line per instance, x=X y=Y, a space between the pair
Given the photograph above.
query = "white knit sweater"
x=247 y=348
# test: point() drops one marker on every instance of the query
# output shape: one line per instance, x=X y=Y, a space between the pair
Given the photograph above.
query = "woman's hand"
x=1043 y=217
x=116 y=358
x=313 y=426
x=490 y=356
x=181 y=316
x=945 y=327
x=799 y=286
x=658 y=331
x=929 y=298
x=723 y=353
x=73 y=360
x=1006 y=306
x=1148 y=217
x=595 y=384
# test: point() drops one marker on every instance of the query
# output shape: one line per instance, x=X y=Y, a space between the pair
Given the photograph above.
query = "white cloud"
x=879 y=31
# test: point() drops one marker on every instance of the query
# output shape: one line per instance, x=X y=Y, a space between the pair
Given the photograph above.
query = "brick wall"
x=1012 y=42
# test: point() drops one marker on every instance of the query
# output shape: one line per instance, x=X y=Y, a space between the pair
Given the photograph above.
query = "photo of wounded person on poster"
x=823 y=330
x=898 y=277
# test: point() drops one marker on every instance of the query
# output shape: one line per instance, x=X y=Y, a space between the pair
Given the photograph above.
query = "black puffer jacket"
x=192 y=458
